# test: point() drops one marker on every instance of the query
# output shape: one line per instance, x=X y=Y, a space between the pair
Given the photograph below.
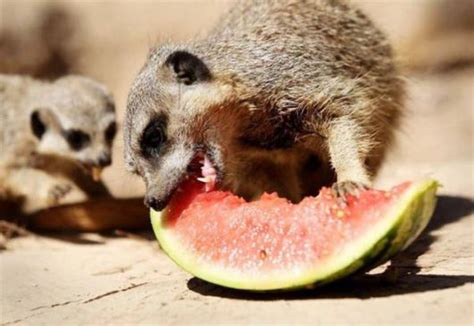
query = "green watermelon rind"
x=401 y=226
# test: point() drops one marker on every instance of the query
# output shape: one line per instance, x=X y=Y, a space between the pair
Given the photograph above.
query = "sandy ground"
x=63 y=279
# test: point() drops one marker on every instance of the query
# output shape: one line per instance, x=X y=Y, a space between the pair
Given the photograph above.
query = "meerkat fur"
x=282 y=96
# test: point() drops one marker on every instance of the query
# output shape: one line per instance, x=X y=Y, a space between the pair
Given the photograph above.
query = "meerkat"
x=281 y=96
x=51 y=133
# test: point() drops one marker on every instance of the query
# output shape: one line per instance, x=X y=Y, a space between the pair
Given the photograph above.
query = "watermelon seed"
x=263 y=254
x=340 y=213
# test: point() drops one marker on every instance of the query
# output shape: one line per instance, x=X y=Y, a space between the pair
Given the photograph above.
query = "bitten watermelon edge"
x=382 y=224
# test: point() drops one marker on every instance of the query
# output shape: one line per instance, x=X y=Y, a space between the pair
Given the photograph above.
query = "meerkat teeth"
x=96 y=172
x=204 y=179
x=209 y=186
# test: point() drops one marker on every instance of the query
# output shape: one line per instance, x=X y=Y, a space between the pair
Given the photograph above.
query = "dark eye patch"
x=37 y=125
x=77 y=139
x=110 y=132
x=153 y=138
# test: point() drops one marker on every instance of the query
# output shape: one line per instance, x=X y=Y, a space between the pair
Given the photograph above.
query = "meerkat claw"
x=345 y=188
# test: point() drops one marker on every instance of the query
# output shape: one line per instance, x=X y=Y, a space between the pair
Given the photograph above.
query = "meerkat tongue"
x=208 y=174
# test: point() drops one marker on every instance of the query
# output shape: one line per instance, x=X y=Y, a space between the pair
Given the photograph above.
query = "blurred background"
x=108 y=40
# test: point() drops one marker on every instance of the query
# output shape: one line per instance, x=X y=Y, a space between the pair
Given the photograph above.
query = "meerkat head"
x=74 y=118
x=184 y=119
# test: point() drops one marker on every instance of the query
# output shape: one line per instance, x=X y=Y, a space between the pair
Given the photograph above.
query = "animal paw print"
x=57 y=193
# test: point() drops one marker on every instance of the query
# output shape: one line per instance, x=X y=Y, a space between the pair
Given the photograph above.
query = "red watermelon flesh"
x=272 y=243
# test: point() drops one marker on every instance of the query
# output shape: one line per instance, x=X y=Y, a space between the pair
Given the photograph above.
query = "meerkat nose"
x=104 y=160
x=154 y=203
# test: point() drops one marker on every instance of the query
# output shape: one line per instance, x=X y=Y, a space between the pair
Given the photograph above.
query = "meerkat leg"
x=347 y=155
x=39 y=190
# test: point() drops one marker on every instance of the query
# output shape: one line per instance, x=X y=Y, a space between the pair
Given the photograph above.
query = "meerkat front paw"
x=58 y=192
x=344 y=188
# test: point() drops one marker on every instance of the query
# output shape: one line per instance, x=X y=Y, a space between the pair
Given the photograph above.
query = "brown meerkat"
x=50 y=132
x=282 y=96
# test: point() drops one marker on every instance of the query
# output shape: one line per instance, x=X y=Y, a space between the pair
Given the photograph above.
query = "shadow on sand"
x=401 y=276
x=99 y=238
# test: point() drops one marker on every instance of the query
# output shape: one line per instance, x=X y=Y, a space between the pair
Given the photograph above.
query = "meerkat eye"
x=76 y=139
x=152 y=139
x=110 y=132
x=37 y=125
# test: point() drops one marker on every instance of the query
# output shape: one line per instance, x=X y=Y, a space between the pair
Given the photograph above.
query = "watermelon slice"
x=271 y=244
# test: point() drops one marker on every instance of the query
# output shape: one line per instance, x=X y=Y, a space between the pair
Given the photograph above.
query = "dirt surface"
x=123 y=279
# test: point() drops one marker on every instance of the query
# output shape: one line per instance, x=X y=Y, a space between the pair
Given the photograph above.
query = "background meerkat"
x=51 y=133
x=282 y=96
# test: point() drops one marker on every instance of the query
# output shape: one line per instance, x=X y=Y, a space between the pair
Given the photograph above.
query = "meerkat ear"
x=188 y=68
x=41 y=120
